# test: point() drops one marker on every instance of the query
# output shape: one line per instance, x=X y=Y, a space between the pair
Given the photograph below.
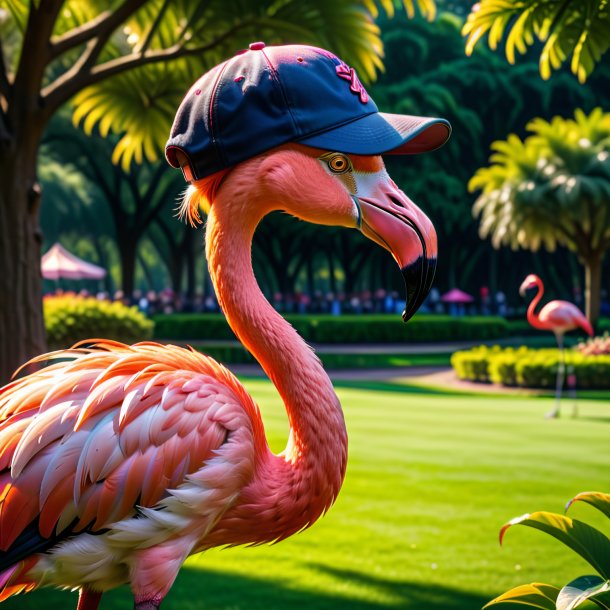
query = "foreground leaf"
x=582 y=589
x=597 y=499
x=534 y=595
x=588 y=542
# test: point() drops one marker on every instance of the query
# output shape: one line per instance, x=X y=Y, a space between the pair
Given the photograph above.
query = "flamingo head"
x=335 y=189
x=291 y=127
x=531 y=281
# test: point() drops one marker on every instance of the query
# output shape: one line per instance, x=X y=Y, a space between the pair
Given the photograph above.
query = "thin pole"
x=560 y=377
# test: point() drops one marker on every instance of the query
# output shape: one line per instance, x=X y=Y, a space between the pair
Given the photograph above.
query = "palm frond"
x=574 y=30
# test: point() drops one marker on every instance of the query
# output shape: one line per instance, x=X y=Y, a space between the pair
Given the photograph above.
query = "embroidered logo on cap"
x=349 y=74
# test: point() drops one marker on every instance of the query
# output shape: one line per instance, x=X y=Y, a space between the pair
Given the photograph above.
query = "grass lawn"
x=431 y=479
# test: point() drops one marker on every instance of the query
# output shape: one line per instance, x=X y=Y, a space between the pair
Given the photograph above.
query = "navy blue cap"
x=267 y=96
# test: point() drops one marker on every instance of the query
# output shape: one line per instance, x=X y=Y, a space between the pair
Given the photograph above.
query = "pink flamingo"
x=118 y=462
x=559 y=317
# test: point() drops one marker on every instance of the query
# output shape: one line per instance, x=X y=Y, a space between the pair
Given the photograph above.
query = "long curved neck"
x=315 y=458
x=532 y=316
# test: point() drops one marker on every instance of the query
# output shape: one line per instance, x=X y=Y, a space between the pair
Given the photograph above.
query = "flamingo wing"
x=564 y=316
x=114 y=432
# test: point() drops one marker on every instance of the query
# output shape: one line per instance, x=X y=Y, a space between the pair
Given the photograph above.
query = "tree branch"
x=161 y=201
x=154 y=26
x=104 y=24
x=5 y=84
x=71 y=82
x=35 y=50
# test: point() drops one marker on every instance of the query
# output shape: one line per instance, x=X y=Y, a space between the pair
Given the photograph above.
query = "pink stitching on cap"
x=349 y=74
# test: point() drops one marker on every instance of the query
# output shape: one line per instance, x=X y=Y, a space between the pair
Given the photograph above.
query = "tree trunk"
x=191 y=278
x=21 y=322
x=593 y=286
x=127 y=252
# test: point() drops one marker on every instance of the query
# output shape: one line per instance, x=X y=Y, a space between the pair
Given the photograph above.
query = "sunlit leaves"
x=577 y=31
x=582 y=589
x=553 y=187
x=587 y=541
x=536 y=595
x=140 y=104
x=597 y=499
x=427 y=8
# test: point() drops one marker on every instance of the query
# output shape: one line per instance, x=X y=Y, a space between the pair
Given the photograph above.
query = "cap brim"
x=381 y=133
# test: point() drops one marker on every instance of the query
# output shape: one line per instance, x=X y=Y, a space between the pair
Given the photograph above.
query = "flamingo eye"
x=338 y=163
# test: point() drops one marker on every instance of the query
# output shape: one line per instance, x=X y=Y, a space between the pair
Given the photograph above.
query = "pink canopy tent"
x=457 y=296
x=59 y=263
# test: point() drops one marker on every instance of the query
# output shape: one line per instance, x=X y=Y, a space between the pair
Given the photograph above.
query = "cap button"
x=256 y=46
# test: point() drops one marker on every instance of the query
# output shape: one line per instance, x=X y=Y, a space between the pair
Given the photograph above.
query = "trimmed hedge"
x=522 y=328
x=236 y=354
x=71 y=318
x=343 y=329
x=529 y=368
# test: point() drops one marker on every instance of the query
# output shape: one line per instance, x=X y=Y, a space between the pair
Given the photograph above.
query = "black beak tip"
x=418 y=277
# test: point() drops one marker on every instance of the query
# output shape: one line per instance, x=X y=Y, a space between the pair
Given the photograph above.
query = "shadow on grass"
x=197 y=589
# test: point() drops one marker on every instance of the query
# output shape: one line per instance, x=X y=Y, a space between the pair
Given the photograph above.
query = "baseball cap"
x=266 y=96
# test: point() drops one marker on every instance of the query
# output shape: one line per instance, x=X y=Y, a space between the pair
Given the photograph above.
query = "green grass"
x=431 y=479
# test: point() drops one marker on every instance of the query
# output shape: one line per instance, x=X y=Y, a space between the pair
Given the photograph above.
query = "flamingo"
x=117 y=462
x=559 y=317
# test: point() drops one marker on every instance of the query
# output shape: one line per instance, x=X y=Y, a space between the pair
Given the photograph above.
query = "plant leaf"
x=534 y=595
x=582 y=589
x=597 y=499
x=588 y=542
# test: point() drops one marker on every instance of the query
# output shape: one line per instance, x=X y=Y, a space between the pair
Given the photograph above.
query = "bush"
x=71 y=318
x=529 y=368
x=343 y=329
x=595 y=345
x=585 y=540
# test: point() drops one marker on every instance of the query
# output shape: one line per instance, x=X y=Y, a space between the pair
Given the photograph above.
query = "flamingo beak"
x=391 y=219
x=525 y=286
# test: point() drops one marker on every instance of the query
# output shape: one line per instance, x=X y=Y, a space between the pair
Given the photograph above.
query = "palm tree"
x=576 y=29
x=552 y=188
x=125 y=64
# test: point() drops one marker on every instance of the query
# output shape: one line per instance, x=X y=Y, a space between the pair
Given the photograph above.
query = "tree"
x=128 y=63
x=552 y=188
x=576 y=29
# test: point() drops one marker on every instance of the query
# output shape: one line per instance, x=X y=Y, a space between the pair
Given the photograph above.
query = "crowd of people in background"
x=363 y=302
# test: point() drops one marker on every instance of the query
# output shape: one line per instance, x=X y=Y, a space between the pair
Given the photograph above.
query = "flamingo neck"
x=532 y=316
x=307 y=476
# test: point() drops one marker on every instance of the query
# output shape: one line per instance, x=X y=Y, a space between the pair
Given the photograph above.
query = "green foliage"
x=343 y=329
x=576 y=29
x=141 y=103
x=70 y=318
x=595 y=345
x=529 y=368
x=553 y=187
x=587 y=541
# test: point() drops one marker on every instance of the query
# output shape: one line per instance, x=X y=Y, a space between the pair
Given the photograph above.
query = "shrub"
x=71 y=318
x=587 y=541
x=529 y=368
x=343 y=329
x=472 y=365
x=595 y=345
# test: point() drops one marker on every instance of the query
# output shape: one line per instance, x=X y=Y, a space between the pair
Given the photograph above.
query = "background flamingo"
x=119 y=463
x=559 y=317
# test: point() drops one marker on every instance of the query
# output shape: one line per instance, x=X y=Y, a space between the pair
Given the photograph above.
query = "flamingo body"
x=89 y=439
x=160 y=427
x=559 y=317
x=562 y=317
